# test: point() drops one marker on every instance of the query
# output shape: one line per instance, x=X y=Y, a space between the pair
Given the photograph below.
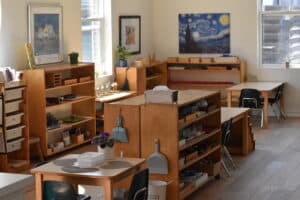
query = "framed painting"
x=45 y=33
x=204 y=33
x=130 y=33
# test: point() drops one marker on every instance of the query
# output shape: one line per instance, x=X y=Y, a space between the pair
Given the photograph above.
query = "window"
x=94 y=25
x=279 y=33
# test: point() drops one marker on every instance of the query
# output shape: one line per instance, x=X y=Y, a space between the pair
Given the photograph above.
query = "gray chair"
x=250 y=98
x=226 y=132
x=56 y=190
x=139 y=187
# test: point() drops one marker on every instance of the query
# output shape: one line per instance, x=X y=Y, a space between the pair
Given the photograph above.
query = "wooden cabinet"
x=188 y=73
x=14 y=136
x=56 y=81
x=167 y=122
x=172 y=124
x=142 y=78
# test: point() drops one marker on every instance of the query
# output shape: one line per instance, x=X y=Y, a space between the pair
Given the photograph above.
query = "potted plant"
x=122 y=55
x=288 y=60
x=104 y=144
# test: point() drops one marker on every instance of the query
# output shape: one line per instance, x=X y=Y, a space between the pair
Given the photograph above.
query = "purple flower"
x=104 y=135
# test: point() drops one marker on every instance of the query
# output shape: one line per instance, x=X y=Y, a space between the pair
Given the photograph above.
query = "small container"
x=12 y=94
x=14 y=145
x=14 y=132
x=14 y=119
x=73 y=58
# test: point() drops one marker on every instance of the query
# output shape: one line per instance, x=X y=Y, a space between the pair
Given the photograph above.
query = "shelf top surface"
x=64 y=66
x=184 y=97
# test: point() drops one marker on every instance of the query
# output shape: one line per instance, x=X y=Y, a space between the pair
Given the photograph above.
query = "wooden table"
x=265 y=88
x=241 y=136
x=104 y=177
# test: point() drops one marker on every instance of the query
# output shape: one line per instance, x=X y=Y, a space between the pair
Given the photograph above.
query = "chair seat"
x=271 y=100
x=82 y=197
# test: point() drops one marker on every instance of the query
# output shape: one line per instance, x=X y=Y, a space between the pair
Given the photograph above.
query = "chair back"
x=139 y=186
x=249 y=98
x=226 y=130
x=279 y=92
x=58 y=190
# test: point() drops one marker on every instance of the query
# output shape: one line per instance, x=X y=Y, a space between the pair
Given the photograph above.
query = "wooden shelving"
x=69 y=147
x=162 y=121
x=69 y=86
x=200 y=157
x=143 y=78
x=212 y=75
x=190 y=189
x=66 y=102
x=40 y=86
x=14 y=134
x=198 y=139
x=65 y=126
x=202 y=116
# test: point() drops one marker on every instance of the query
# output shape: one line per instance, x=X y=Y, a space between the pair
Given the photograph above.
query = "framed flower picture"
x=45 y=33
x=130 y=33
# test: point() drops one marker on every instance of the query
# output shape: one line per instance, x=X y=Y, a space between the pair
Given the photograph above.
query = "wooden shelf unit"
x=215 y=76
x=143 y=78
x=38 y=90
x=19 y=159
x=160 y=121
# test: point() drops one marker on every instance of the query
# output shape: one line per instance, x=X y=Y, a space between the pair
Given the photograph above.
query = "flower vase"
x=108 y=152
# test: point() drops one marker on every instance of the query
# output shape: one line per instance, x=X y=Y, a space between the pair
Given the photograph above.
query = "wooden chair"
x=37 y=142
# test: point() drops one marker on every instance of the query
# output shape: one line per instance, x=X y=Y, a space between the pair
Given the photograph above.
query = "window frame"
x=103 y=67
x=262 y=13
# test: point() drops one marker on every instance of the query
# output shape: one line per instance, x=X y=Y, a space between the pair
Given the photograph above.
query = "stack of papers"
x=90 y=159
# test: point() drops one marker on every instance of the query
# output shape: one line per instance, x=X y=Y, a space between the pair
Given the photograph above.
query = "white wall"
x=13 y=33
x=134 y=7
x=243 y=38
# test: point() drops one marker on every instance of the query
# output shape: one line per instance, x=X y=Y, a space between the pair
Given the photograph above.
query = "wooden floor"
x=271 y=172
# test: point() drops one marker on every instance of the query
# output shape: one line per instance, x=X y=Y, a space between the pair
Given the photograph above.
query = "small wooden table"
x=265 y=88
x=240 y=135
x=104 y=177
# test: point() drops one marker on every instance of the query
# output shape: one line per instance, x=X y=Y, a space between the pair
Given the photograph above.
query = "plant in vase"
x=122 y=55
x=104 y=144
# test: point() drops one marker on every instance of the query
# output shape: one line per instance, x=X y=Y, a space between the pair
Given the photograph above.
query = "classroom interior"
x=149 y=99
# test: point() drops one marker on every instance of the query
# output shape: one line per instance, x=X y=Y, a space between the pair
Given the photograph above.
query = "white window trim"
x=106 y=66
x=260 y=36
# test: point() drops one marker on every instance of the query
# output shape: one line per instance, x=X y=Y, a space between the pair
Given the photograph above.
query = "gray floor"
x=271 y=172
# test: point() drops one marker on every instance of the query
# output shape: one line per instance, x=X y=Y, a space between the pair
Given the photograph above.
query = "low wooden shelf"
x=14 y=159
x=138 y=78
x=212 y=75
x=40 y=86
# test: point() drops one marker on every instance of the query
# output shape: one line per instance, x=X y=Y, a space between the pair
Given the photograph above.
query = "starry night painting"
x=204 y=33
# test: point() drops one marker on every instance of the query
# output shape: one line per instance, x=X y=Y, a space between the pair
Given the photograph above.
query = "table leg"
x=229 y=98
x=38 y=186
x=108 y=190
x=245 y=134
x=266 y=109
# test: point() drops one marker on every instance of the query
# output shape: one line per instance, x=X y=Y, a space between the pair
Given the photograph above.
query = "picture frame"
x=45 y=32
x=130 y=33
